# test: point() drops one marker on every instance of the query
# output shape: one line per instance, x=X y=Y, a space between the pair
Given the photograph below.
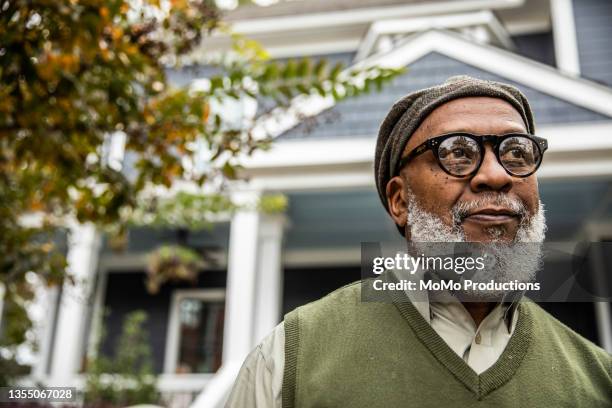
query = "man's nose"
x=491 y=176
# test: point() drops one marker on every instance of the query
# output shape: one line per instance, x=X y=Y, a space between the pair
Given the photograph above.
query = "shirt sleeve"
x=260 y=379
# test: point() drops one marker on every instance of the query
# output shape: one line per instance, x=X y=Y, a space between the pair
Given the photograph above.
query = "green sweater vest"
x=341 y=352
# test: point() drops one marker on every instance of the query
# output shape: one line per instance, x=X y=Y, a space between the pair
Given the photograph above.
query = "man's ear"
x=397 y=200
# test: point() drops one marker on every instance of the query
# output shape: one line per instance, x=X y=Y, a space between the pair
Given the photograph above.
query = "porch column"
x=67 y=353
x=241 y=278
x=46 y=299
x=239 y=300
x=269 y=285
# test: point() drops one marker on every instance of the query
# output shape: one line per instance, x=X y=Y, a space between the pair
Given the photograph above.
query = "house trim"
x=564 y=33
x=97 y=313
x=349 y=151
x=342 y=31
x=364 y=15
x=453 y=21
x=536 y=75
x=314 y=48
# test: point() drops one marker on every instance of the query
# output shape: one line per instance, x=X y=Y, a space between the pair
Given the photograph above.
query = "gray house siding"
x=361 y=117
x=539 y=47
x=593 y=20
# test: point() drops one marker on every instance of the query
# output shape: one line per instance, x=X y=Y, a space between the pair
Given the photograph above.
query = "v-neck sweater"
x=343 y=352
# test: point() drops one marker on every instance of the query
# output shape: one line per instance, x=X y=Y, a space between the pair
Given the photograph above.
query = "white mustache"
x=463 y=209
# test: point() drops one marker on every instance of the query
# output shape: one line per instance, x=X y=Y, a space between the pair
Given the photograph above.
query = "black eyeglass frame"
x=496 y=141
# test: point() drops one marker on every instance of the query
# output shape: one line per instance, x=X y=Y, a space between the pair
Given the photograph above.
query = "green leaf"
x=286 y=91
x=303 y=89
x=335 y=94
x=290 y=70
x=321 y=69
x=216 y=82
x=319 y=88
x=304 y=68
x=333 y=75
x=270 y=72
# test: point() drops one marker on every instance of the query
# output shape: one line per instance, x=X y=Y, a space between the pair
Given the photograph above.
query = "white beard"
x=518 y=260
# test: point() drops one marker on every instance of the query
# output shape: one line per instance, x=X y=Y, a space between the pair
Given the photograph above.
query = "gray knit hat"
x=409 y=112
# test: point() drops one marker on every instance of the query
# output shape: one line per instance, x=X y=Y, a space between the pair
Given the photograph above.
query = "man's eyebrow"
x=470 y=131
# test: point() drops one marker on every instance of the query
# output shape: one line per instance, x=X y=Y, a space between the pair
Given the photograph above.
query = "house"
x=556 y=51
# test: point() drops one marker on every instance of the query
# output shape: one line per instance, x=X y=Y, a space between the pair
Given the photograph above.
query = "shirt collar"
x=422 y=300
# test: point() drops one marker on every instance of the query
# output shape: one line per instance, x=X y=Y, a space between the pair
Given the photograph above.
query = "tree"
x=75 y=72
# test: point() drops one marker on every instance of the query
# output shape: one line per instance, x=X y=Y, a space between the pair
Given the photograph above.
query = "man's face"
x=439 y=193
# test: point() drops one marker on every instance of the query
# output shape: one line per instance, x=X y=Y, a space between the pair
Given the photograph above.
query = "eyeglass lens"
x=461 y=155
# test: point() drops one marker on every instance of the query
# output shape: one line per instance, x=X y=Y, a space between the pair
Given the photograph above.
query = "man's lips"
x=492 y=216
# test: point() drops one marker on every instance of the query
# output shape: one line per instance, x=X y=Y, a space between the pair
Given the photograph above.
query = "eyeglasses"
x=460 y=154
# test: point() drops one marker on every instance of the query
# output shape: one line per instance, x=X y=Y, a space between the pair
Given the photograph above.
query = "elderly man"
x=455 y=162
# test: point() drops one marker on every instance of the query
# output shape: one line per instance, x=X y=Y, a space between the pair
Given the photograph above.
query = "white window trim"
x=172 y=334
x=564 y=33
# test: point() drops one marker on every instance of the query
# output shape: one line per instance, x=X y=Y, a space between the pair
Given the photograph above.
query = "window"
x=194 y=341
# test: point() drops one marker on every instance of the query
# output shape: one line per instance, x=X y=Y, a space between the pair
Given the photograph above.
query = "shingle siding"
x=539 y=47
x=593 y=20
x=361 y=117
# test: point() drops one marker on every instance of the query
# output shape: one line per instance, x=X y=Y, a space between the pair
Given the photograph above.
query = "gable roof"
x=580 y=92
x=361 y=116
x=587 y=96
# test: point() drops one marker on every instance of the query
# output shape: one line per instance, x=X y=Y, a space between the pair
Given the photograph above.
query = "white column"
x=564 y=34
x=83 y=252
x=239 y=300
x=241 y=278
x=48 y=299
x=269 y=286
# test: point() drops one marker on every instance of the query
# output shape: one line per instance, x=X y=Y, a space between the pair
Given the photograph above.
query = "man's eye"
x=459 y=152
x=462 y=153
x=517 y=153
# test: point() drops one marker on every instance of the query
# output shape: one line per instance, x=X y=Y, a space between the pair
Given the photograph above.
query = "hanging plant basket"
x=172 y=263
